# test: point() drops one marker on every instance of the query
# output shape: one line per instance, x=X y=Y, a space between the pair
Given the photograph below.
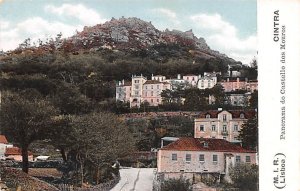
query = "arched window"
x=207 y=116
x=242 y=116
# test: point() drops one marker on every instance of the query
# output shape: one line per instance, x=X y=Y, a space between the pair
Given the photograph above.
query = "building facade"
x=3 y=145
x=208 y=80
x=190 y=157
x=221 y=124
x=15 y=153
x=233 y=84
x=123 y=91
x=142 y=91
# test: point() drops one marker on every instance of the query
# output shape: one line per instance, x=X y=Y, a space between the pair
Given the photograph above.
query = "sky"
x=228 y=26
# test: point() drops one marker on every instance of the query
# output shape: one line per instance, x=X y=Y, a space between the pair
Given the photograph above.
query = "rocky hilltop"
x=128 y=34
x=135 y=34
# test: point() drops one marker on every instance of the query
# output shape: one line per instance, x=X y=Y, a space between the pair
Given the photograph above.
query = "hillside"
x=133 y=36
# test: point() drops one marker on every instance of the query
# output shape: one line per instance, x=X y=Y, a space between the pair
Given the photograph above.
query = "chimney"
x=238 y=79
x=178 y=76
x=227 y=79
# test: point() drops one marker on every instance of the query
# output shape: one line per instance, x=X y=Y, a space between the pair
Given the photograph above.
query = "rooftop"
x=3 y=139
x=235 y=113
x=205 y=144
x=15 y=151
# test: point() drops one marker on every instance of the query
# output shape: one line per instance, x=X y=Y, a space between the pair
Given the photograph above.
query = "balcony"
x=224 y=133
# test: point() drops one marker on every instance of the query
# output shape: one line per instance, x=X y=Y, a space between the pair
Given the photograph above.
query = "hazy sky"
x=228 y=26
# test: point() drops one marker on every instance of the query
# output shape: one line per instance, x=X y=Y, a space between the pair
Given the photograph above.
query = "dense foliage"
x=176 y=185
x=245 y=177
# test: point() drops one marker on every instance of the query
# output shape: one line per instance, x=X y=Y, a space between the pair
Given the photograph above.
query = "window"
x=188 y=157
x=145 y=87
x=242 y=116
x=151 y=93
x=174 y=157
x=224 y=128
x=201 y=127
x=201 y=157
x=157 y=86
x=207 y=116
x=136 y=86
x=224 y=117
x=213 y=128
x=202 y=84
x=224 y=138
x=136 y=93
x=146 y=94
x=235 y=128
x=236 y=138
x=151 y=100
x=205 y=144
x=237 y=159
x=136 y=81
x=151 y=86
x=215 y=158
x=208 y=85
x=248 y=159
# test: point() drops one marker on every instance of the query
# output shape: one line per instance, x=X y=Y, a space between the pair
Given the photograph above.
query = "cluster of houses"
x=141 y=90
x=10 y=152
x=211 y=152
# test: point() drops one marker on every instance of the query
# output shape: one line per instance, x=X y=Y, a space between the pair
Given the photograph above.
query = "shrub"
x=245 y=177
x=176 y=185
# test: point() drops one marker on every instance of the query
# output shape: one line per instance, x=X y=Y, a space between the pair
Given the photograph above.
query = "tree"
x=176 y=185
x=70 y=101
x=254 y=100
x=60 y=138
x=249 y=133
x=195 y=99
x=219 y=95
x=25 y=119
x=244 y=177
x=98 y=139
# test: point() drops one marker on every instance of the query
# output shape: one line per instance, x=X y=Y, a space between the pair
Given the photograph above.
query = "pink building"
x=252 y=86
x=191 y=79
x=194 y=158
x=140 y=90
x=152 y=91
x=221 y=124
x=238 y=84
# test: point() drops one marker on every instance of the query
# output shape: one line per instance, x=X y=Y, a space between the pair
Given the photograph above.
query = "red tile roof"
x=15 y=151
x=235 y=113
x=3 y=139
x=194 y=144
